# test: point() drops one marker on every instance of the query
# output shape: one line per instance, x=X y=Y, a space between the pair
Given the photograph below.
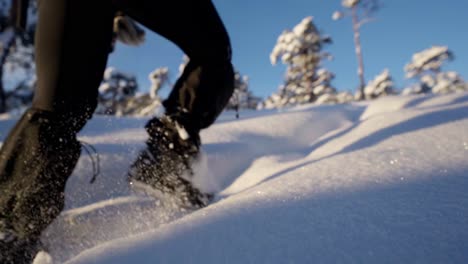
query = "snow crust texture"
x=383 y=181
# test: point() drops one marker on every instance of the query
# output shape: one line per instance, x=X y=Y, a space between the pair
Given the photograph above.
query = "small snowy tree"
x=361 y=12
x=242 y=98
x=301 y=50
x=381 y=85
x=427 y=67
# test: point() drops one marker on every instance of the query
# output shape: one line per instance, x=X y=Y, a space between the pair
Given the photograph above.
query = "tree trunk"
x=357 y=44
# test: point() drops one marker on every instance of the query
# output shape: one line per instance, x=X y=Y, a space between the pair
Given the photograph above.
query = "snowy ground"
x=377 y=182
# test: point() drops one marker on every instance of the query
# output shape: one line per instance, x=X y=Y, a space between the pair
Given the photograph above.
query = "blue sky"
x=401 y=28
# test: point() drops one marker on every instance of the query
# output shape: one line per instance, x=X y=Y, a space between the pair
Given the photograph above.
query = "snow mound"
x=371 y=182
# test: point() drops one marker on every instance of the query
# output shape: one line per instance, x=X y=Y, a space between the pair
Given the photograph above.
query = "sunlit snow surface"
x=384 y=181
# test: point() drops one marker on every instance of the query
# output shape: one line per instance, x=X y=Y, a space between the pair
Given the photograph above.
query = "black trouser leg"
x=207 y=83
x=73 y=42
x=35 y=162
x=72 y=45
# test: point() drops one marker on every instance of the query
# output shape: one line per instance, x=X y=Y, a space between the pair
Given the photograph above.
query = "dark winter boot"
x=38 y=157
x=166 y=163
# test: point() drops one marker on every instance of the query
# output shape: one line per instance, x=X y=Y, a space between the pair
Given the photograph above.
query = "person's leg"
x=198 y=97
x=72 y=43
x=207 y=82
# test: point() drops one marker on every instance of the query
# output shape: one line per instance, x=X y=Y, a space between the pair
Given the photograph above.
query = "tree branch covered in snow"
x=428 y=60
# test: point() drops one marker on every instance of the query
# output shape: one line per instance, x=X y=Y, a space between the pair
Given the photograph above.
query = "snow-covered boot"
x=35 y=162
x=165 y=164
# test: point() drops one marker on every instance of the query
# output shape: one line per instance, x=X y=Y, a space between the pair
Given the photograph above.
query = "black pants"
x=73 y=42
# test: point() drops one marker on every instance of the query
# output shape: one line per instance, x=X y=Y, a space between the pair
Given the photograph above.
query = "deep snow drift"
x=376 y=182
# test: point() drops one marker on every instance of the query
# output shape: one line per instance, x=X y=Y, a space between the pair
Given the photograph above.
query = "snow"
x=349 y=3
x=301 y=40
x=382 y=181
x=337 y=15
x=43 y=258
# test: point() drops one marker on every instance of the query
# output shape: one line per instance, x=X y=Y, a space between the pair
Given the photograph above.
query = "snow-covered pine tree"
x=242 y=98
x=381 y=85
x=301 y=50
x=323 y=90
x=16 y=56
x=426 y=66
x=115 y=91
x=327 y=94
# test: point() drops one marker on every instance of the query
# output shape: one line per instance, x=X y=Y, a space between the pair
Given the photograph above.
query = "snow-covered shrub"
x=441 y=83
x=447 y=82
x=426 y=66
x=381 y=85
